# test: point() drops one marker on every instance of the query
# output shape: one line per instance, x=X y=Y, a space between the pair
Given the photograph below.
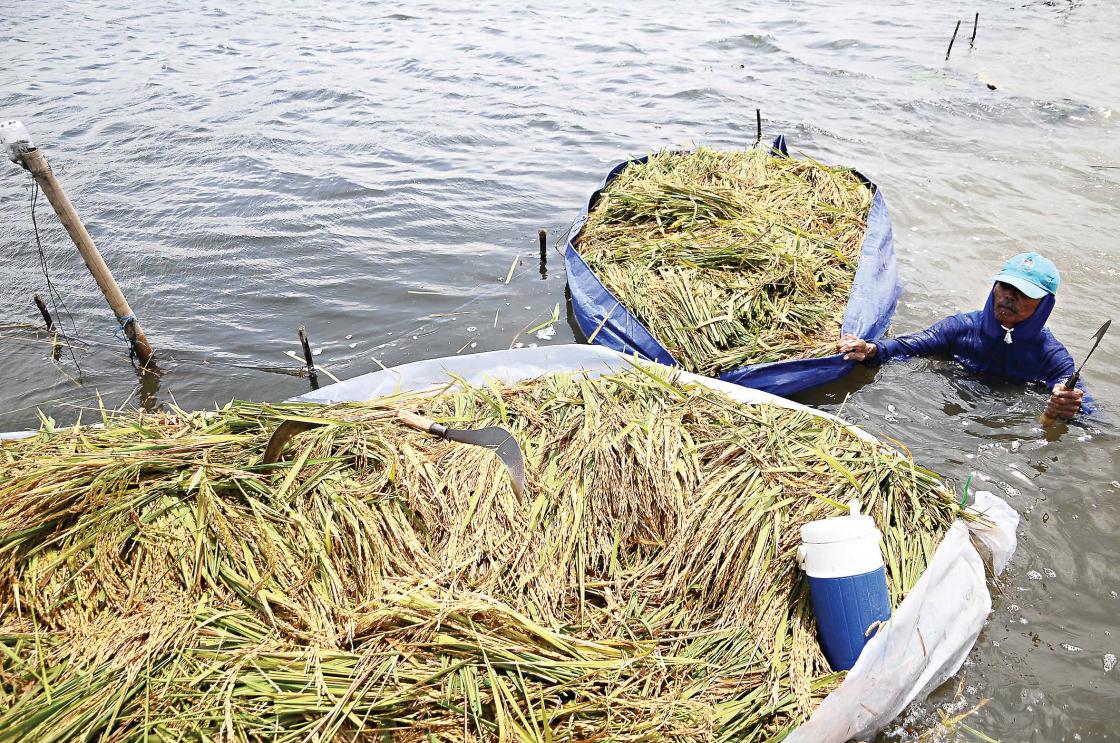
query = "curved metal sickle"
x=498 y=440
x=280 y=437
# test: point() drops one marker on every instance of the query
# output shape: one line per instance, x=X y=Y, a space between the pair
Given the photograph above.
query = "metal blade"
x=280 y=437
x=501 y=442
x=498 y=440
x=1098 y=335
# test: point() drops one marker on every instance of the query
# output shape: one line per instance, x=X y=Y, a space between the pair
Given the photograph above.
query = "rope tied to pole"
x=124 y=326
x=124 y=322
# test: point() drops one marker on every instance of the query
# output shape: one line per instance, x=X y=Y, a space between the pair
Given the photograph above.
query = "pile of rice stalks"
x=157 y=582
x=730 y=258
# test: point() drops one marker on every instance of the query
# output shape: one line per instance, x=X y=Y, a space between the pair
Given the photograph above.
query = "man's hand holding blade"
x=1064 y=403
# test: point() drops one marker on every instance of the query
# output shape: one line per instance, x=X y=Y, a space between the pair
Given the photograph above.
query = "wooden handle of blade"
x=412 y=420
x=1048 y=420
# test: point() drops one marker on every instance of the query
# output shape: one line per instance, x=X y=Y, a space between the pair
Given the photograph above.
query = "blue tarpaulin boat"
x=871 y=303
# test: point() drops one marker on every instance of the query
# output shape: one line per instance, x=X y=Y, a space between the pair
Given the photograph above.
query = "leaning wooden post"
x=22 y=151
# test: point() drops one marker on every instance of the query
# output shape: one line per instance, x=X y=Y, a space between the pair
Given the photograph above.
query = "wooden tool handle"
x=412 y=420
x=1048 y=420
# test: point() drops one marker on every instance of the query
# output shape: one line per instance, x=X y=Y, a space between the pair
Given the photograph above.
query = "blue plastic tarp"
x=871 y=304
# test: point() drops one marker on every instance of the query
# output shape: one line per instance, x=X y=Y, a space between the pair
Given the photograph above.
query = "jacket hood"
x=1028 y=330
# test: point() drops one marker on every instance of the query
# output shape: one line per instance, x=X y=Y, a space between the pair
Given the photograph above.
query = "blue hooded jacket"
x=978 y=341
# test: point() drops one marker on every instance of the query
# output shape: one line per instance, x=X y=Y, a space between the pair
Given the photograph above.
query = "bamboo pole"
x=40 y=170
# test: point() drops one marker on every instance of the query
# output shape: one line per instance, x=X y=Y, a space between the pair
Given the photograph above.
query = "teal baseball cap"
x=1033 y=274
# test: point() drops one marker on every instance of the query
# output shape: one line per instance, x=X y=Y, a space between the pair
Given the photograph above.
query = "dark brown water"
x=373 y=170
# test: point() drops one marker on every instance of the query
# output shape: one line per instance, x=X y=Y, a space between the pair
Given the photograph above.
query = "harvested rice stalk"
x=730 y=258
x=158 y=582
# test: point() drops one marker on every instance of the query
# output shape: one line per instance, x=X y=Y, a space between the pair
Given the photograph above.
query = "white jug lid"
x=838 y=529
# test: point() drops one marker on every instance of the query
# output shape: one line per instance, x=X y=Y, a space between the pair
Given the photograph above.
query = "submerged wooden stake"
x=40 y=170
x=307 y=358
x=975 y=23
x=45 y=313
x=542 y=237
x=950 y=50
x=758 y=124
x=51 y=330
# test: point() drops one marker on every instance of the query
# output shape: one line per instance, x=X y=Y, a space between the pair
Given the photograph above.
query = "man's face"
x=1012 y=306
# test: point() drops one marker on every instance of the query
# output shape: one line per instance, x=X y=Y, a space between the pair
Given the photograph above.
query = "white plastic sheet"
x=513 y=365
x=930 y=634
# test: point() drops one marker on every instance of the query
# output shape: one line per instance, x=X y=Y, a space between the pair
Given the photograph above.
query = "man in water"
x=1008 y=337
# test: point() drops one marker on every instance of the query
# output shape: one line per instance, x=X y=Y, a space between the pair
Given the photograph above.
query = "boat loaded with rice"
x=162 y=581
x=742 y=265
